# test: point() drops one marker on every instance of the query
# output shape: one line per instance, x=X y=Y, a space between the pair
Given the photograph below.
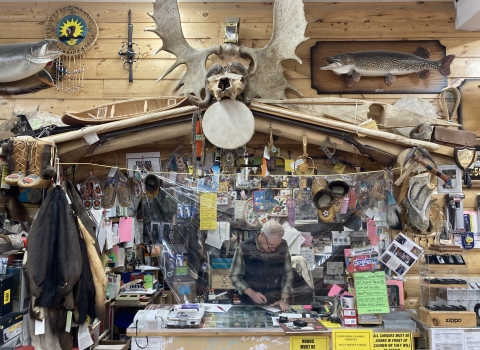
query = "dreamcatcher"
x=76 y=32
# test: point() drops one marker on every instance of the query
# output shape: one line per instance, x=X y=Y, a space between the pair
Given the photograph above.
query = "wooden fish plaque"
x=328 y=82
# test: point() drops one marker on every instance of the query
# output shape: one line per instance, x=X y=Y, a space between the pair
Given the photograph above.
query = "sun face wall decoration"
x=76 y=31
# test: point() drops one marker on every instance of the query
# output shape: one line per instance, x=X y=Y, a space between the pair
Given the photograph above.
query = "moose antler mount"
x=263 y=78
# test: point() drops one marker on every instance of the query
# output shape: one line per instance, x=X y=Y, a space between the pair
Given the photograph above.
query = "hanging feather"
x=394 y=216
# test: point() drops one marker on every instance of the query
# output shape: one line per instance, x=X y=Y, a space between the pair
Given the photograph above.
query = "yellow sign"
x=208 y=211
x=392 y=340
x=348 y=339
x=309 y=343
x=339 y=168
x=6 y=297
x=329 y=324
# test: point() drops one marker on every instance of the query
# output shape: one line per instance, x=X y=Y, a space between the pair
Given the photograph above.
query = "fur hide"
x=98 y=272
x=46 y=341
x=7 y=150
x=79 y=209
x=54 y=337
x=85 y=289
x=47 y=172
x=18 y=212
x=55 y=262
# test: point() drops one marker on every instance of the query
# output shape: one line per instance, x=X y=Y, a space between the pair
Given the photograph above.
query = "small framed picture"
x=455 y=175
x=186 y=211
x=180 y=211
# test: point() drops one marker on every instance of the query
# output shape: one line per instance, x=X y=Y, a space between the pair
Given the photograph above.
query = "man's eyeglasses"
x=266 y=241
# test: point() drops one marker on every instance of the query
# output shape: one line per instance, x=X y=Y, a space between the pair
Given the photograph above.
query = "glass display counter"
x=241 y=327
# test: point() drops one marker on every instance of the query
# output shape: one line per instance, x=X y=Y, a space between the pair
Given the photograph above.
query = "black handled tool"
x=128 y=55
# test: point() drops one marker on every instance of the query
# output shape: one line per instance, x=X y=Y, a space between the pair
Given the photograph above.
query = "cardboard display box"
x=6 y=289
x=113 y=345
x=448 y=318
x=10 y=326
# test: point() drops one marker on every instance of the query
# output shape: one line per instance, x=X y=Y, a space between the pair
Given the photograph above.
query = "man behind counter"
x=262 y=270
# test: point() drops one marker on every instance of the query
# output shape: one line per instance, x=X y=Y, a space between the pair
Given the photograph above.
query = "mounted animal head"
x=263 y=79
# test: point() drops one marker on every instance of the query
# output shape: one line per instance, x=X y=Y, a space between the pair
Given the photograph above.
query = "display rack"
x=445 y=295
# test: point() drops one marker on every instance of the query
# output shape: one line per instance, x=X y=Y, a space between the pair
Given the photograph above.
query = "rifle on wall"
x=386 y=159
x=128 y=55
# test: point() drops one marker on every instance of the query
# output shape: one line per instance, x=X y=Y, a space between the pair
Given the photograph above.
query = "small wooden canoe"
x=121 y=110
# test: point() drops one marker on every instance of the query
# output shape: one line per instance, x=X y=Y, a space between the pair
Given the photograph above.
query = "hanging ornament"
x=76 y=32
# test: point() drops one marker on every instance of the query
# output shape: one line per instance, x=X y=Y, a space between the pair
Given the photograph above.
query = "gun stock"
x=386 y=159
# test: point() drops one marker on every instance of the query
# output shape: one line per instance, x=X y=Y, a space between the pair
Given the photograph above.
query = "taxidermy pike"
x=22 y=60
x=386 y=64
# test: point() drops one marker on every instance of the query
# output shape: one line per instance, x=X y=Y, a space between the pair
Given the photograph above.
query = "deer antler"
x=289 y=26
x=168 y=28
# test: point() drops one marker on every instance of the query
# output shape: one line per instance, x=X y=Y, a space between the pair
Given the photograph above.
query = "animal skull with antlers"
x=264 y=79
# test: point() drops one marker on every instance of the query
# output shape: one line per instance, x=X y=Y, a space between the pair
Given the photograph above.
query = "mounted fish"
x=22 y=66
x=387 y=64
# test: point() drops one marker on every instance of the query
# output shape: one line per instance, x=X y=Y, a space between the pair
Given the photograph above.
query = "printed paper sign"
x=309 y=343
x=348 y=339
x=401 y=254
x=392 y=340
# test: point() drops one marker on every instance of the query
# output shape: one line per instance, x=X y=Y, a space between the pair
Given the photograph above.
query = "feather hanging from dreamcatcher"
x=76 y=31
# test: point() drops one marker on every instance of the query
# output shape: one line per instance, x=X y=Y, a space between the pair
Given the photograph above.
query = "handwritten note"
x=371 y=293
x=208 y=211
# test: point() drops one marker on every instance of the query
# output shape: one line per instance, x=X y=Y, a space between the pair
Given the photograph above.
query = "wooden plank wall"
x=106 y=80
x=203 y=26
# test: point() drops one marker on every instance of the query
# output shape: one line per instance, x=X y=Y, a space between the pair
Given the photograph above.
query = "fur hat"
x=152 y=186
x=339 y=188
x=323 y=199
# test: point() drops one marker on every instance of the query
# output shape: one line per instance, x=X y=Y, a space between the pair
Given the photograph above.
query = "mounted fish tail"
x=386 y=64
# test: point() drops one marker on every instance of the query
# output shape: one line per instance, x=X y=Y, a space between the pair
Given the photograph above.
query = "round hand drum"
x=228 y=124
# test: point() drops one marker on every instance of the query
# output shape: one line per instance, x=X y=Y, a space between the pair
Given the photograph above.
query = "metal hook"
x=116 y=164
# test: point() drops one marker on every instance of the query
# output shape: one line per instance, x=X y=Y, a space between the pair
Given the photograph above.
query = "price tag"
x=91 y=138
x=113 y=171
x=84 y=338
x=39 y=327
x=339 y=168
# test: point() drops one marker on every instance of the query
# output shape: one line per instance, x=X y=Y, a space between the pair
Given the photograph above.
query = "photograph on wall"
x=401 y=254
x=150 y=159
x=455 y=174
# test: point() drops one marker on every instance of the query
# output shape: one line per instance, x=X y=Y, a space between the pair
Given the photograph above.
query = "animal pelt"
x=55 y=320
x=55 y=262
x=79 y=209
x=46 y=341
x=84 y=289
x=7 y=150
x=394 y=216
x=18 y=212
x=98 y=272
x=47 y=171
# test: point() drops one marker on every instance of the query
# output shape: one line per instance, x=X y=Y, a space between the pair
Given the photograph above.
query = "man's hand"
x=281 y=304
x=257 y=297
